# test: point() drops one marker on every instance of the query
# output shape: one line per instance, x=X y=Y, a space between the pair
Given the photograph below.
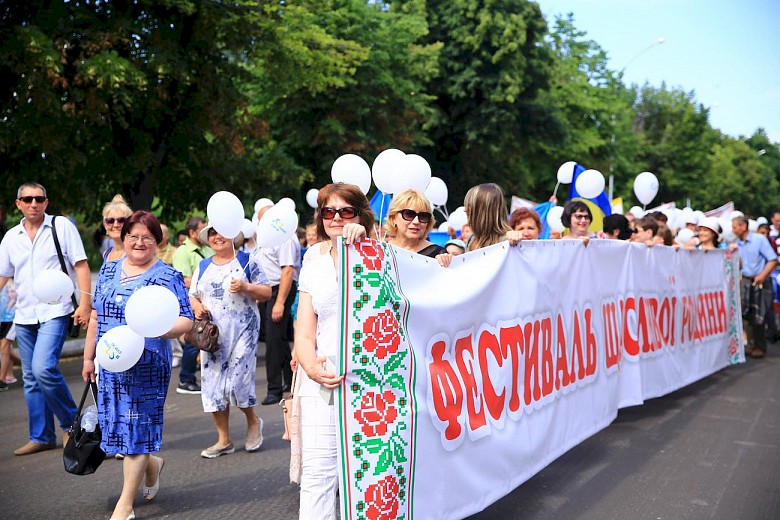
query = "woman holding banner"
x=131 y=403
x=342 y=211
x=576 y=218
x=486 y=209
x=409 y=220
x=527 y=222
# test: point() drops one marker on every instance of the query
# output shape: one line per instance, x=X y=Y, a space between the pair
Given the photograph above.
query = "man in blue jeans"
x=186 y=257
x=26 y=251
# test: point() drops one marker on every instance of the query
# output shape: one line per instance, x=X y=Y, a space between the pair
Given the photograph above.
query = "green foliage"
x=169 y=101
x=492 y=66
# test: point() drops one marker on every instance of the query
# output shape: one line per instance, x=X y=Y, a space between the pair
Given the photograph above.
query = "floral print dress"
x=228 y=374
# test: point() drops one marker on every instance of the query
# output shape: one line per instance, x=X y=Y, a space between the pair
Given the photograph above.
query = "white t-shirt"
x=320 y=280
x=23 y=259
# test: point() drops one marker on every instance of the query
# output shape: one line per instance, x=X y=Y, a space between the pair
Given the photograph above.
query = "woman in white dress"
x=228 y=285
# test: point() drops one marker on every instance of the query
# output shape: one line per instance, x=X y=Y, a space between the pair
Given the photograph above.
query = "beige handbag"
x=291 y=412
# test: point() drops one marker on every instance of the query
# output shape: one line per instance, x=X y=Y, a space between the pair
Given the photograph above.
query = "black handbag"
x=82 y=454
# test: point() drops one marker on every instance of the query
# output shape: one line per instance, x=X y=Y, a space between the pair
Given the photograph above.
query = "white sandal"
x=151 y=492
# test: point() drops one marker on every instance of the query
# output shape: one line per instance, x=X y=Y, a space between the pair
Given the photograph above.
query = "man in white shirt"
x=26 y=251
x=281 y=264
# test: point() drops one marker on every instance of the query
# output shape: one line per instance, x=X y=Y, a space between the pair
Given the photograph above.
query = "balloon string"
x=443 y=212
x=555 y=191
x=381 y=213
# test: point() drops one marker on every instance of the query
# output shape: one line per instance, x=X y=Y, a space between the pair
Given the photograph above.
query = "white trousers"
x=319 y=479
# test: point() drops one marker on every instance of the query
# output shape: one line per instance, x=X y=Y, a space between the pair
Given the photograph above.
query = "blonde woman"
x=487 y=212
x=409 y=220
x=115 y=213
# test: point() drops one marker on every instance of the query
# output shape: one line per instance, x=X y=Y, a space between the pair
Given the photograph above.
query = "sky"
x=726 y=51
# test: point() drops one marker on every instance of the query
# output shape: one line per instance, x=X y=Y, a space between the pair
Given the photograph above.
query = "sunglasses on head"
x=346 y=212
x=110 y=220
x=40 y=199
x=423 y=216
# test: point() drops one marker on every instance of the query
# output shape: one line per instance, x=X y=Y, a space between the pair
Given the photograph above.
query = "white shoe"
x=255 y=445
x=151 y=492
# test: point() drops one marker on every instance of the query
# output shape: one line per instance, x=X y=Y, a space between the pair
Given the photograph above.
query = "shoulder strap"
x=245 y=264
x=59 y=255
x=200 y=254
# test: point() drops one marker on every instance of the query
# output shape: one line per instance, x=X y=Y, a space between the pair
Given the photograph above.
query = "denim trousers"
x=45 y=390
x=189 y=363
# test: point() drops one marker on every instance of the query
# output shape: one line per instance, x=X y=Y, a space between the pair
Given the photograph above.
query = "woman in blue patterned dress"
x=228 y=285
x=131 y=403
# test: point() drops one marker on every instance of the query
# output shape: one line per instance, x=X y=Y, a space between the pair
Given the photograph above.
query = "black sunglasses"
x=40 y=199
x=346 y=212
x=110 y=220
x=423 y=216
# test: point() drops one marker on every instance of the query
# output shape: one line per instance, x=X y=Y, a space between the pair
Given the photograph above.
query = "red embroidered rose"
x=381 y=334
x=382 y=499
x=372 y=254
x=376 y=413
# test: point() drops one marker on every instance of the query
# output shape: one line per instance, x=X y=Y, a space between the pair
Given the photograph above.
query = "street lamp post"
x=657 y=41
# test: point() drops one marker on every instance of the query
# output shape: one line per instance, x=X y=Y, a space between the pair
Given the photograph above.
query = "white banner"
x=462 y=383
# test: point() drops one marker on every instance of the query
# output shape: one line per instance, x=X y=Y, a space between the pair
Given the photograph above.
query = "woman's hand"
x=198 y=309
x=352 y=231
x=88 y=371
x=514 y=237
x=444 y=259
x=236 y=285
x=318 y=373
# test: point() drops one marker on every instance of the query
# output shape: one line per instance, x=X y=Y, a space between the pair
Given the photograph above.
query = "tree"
x=675 y=142
x=378 y=99
x=489 y=119
x=592 y=111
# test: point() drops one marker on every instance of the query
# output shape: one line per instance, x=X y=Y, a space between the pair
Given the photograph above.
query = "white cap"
x=711 y=223
x=734 y=214
x=762 y=220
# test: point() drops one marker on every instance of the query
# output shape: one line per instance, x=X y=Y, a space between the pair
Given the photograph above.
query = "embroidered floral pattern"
x=377 y=389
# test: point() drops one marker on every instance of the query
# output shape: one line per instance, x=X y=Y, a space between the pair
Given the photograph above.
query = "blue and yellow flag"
x=599 y=206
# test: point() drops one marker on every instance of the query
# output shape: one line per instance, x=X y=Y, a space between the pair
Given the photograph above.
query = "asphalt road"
x=709 y=450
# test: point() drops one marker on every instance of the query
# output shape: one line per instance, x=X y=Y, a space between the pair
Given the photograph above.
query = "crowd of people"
x=266 y=294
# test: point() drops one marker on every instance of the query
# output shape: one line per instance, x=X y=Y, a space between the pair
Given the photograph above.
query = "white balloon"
x=384 y=169
x=248 y=228
x=414 y=173
x=351 y=169
x=444 y=226
x=286 y=202
x=52 y=286
x=646 y=187
x=458 y=219
x=566 y=172
x=119 y=349
x=263 y=203
x=437 y=192
x=752 y=225
x=311 y=197
x=554 y=218
x=152 y=311
x=226 y=213
x=277 y=225
x=590 y=184
x=762 y=220
x=637 y=211
x=683 y=236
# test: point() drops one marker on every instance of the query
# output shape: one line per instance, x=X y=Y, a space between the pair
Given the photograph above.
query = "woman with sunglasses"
x=409 y=220
x=342 y=211
x=115 y=213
